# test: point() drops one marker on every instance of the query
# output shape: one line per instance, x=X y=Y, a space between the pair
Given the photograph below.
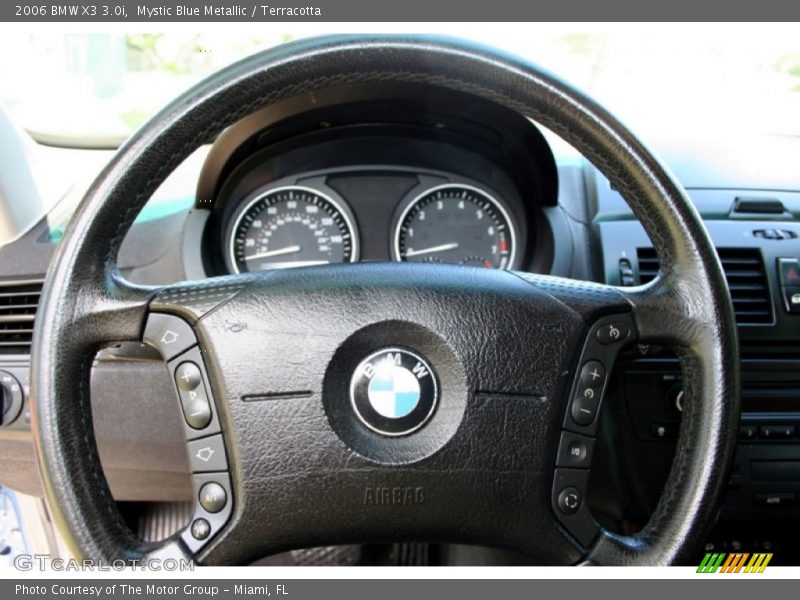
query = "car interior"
x=599 y=343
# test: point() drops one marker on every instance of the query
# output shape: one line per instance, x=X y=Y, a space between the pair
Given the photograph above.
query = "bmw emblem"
x=394 y=392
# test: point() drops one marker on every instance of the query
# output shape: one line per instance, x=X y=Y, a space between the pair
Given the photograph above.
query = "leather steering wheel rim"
x=87 y=303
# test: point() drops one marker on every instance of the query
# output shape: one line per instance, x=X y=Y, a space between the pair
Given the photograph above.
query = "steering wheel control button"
x=212 y=508
x=593 y=374
x=602 y=344
x=575 y=451
x=612 y=333
x=192 y=386
x=207 y=454
x=570 y=500
x=394 y=392
x=196 y=410
x=188 y=376
x=201 y=529
x=170 y=335
x=585 y=405
x=212 y=497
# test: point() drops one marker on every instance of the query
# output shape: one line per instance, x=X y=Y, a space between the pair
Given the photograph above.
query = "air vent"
x=18 y=302
x=773 y=351
x=747 y=281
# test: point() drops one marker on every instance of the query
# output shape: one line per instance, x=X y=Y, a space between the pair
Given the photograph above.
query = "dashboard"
x=413 y=173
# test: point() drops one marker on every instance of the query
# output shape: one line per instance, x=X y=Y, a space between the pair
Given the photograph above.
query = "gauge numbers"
x=291 y=226
x=456 y=224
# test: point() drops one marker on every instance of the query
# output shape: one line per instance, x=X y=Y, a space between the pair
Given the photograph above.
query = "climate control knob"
x=11 y=397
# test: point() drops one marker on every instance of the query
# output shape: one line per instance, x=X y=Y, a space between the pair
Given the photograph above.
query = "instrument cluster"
x=434 y=217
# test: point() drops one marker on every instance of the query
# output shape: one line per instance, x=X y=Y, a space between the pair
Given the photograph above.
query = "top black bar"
x=263 y=11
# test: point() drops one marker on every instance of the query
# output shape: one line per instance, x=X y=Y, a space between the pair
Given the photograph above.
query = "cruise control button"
x=569 y=500
x=593 y=374
x=212 y=497
x=584 y=406
x=188 y=376
x=612 y=333
x=170 y=335
x=574 y=451
x=200 y=529
x=207 y=454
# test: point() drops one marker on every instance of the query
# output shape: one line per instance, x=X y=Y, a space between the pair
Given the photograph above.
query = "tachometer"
x=291 y=226
x=457 y=224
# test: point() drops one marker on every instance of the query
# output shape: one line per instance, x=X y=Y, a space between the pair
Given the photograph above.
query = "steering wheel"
x=292 y=382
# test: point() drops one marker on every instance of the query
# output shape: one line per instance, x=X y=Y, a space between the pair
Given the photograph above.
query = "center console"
x=757 y=236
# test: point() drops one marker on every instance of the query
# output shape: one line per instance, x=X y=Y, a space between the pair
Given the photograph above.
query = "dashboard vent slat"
x=18 y=304
x=746 y=277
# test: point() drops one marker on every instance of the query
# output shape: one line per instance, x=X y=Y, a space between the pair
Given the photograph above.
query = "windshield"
x=94 y=89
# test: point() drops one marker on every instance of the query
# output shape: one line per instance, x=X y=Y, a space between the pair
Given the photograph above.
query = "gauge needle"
x=271 y=253
x=432 y=249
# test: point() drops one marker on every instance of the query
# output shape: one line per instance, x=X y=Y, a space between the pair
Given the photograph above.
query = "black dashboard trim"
x=439 y=112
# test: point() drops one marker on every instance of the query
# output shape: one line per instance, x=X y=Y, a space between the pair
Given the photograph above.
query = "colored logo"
x=393 y=392
x=736 y=562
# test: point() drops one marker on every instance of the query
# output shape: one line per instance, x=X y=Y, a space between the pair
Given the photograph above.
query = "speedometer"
x=291 y=226
x=456 y=224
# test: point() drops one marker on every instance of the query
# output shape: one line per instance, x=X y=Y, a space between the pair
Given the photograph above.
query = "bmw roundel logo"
x=394 y=392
